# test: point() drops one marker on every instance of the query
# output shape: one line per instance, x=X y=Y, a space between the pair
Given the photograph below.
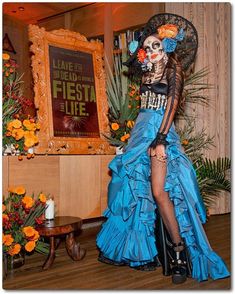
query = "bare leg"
x=166 y=209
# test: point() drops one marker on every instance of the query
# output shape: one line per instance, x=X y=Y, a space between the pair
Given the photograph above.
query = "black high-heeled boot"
x=178 y=262
x=166 y=253
x=161 y=243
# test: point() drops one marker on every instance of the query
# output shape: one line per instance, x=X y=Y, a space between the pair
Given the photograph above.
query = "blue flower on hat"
x=180 y=35
x=133 y=46
x=169 y=45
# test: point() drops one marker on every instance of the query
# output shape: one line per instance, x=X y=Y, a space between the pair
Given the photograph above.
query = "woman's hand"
x=159 y=152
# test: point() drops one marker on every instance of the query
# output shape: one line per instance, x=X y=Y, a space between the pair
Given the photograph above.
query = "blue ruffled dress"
x=128 y=233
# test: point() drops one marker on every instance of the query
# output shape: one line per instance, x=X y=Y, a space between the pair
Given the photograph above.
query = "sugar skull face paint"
x=154 y=49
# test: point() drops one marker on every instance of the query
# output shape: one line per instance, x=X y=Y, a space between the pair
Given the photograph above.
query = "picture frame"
x=70 y=96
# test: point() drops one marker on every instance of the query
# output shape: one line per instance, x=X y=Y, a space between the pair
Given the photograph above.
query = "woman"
x=153 y=177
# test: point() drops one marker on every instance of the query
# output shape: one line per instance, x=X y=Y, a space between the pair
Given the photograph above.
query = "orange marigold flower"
x=42 y=198
x=130 y=123
x=6 y=73
x=28 y=201
x=167 y=31
x=129 y=106
x=31 y=126
x=15 y=249
x=10 y=126
x=8 y=134
x=29 y=231
x=132 y=93
x=16 y=123
x=18 y=134
x=5 y=218
x=38 y=126
x=35 y=237
x=3 y=207
x=29 y=155
x=141 y=55
x=115 y=126
x=29 y=142
x=7 y=240
x=5 y=56
x=30 y=246
x=20 y=157
x=125 y=137
x=185 y=142
x=20 y=190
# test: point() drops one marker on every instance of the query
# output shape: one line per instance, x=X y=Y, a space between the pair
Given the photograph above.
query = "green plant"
x=123 y=101
x=212 y=176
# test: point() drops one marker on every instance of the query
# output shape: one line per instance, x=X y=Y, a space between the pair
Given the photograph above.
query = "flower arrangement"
x=20 y=214
x=122 y=124
x=21 y=135
x=18 y=128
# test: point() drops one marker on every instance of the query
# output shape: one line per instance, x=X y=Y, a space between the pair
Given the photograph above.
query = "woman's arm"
x=175 y=84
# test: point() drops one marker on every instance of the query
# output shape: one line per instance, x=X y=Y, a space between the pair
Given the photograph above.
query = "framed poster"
x=69 y=86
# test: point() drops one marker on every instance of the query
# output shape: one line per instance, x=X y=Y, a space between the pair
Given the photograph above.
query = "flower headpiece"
x=169 y=35
x=177 y=34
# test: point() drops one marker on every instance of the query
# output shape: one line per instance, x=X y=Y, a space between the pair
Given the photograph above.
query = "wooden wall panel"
x=212 y=21
x=5 y=177
x=18 y=34
x=80 y=186
x=38 y=174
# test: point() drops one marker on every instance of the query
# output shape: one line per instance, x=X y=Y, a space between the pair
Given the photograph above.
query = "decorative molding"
x=48 y=143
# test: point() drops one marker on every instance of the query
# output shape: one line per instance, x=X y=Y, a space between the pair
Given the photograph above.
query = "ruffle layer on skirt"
x=128 y=233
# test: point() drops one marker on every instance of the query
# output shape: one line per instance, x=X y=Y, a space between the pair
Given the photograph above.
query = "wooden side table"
x=62 y=225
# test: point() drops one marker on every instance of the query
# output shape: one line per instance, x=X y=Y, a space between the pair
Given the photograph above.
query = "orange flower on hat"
x=15 y=249
x=29 y=246
x=141 y=55
x=115 y=126
x=167 y=31
x=28 y=201
x=7 y=240
x=19 y=190
x=42 y=198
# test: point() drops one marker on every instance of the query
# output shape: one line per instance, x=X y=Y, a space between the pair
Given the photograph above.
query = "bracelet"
x=160 y=139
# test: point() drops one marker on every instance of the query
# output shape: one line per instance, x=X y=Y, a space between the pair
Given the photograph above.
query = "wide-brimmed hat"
x=186 y=48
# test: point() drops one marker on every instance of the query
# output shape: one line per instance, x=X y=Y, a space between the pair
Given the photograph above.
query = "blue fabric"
x=128 y=233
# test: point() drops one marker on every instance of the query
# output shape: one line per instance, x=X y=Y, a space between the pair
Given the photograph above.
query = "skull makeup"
x=154 y=49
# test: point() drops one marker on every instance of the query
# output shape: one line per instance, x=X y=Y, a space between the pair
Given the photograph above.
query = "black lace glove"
x=160 y=139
